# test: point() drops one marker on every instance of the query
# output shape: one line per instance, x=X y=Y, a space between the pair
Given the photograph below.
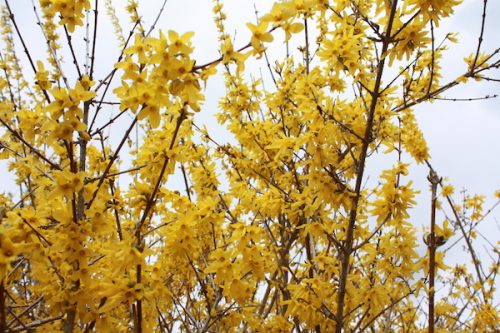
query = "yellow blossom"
x=67 y=183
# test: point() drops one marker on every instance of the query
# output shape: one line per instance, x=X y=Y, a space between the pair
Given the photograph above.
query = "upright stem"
x=306 y=55
x=458 y=219
x=138 y=319
x=69 y=323
x=147 y=210
x=347 y=249
x=92 y=57
x=434 y=180
x=3 y=320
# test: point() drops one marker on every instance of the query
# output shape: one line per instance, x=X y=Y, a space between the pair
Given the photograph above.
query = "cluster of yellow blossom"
x=71 y=12
x=274 y=231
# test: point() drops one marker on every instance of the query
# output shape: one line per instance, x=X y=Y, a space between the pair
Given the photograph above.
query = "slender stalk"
x=347 y=249
x=111 y=161
x=468 y=242
x=35 y=324
x=73 y=55
x=147 y=210
x=69 y=322
x=480 y=38
x=26 y=51
x=3 y=320
x=434 y=180
x=30 y=147
x=94 y=39
x=138 y=312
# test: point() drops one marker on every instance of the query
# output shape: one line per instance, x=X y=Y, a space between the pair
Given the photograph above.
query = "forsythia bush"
x=275 y=231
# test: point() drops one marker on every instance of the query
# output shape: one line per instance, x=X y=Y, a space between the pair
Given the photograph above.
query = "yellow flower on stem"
x=180 y=44
x=42 y=77
x=229 y=54
x=7 y=249
x=260 y=35
x=139 y=48
x=67 y=183
x=81 y=92
x=151 y=112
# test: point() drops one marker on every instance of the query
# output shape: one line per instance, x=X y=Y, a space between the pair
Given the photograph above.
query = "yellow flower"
x=7 y=249
x=239 y=290
x=61 y=100
x=180 y=44
x=67 y=183
x=434 y=10
x=81 y=92
x=152 y=113
x=63 y=131
x=447 y=190
x=86 y=82
x=130 y=68
x=444 y=232
x=411 y=38
x=139 y=49
x=480 y=62
x=42 y=77
x=291 y=28
x=280 y=13
x=259 y=35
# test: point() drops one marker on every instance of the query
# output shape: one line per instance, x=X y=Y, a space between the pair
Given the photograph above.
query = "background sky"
x=464 y=137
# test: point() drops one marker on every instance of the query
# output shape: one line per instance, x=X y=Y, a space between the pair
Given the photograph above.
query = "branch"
x=35 y=323
x=348 y=245
x=28 y=55
x=434 y=180
x=480 y=38
x=31 y=148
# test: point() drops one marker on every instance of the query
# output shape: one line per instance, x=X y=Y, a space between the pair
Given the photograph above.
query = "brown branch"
x=433 y=58
x=488 y=79
x=110 y=122
x=431 y=244
x=157 y=18
x=28 y=309
x=110 y=77
x=26 y=51
x=39 y=235
x=385 y=309
x=465 y=99
x=216 y=61
x=70 y=44
x=30 y=147
x=152 y=199
x=94 y=39
x=149 y=206
x=186 y=184
x=468 y=242
x=348 y=243
x=480 y=38
x=35 y=323
x=111 y=161
x=13 y=314
x=3 y=306
x=111 y=175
